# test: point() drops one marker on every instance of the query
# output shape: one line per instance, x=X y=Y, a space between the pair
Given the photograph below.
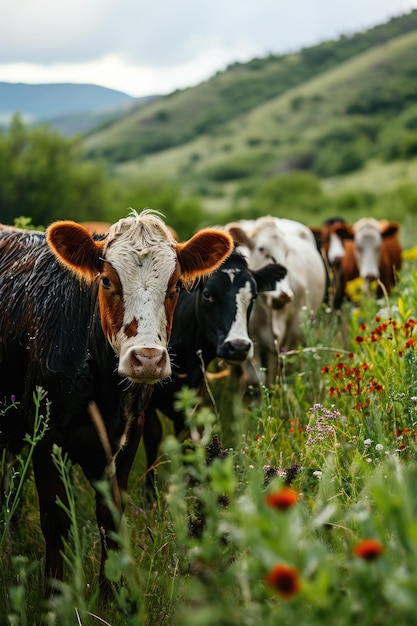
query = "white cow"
x=276 y=319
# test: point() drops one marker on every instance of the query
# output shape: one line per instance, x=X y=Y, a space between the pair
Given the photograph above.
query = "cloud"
x=137 y=46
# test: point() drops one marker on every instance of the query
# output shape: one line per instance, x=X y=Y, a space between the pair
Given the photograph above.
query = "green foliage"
x=236 y=167
x=339 y=426
x=282 y=195
x=42 y=177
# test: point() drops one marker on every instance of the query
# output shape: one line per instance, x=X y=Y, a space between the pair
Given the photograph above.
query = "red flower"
x=282 y=499
x=359 y=339
x=409 y=343
x=285 y=580
x=369 y=549
x=325 y=369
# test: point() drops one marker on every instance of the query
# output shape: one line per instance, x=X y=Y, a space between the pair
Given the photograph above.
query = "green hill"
x=332 y=110
x=178 y=118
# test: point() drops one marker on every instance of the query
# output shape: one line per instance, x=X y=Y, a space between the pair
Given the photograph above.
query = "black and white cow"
x=210 y=321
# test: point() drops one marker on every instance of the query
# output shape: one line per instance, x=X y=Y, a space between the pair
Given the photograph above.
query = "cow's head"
x=137 y=267
x=268 y=244
x=368 y=235
x=225 y=302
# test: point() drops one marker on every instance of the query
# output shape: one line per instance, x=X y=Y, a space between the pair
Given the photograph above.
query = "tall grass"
x=295 y=504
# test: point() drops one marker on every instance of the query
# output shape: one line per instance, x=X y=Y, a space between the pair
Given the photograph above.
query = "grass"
x=291 y=504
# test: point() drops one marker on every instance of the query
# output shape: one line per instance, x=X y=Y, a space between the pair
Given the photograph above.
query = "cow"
x=275 y=323
x=88 y=320
x=332 y=249
x=372 y=251
x=209 y=321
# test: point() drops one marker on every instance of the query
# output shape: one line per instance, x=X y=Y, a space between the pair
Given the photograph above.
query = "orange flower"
x=285 y=580
x=369 y=549
x=282 y=499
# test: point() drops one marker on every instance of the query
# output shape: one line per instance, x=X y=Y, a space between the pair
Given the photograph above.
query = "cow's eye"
x=105 y=281
x=173 y=293
x=207 y=297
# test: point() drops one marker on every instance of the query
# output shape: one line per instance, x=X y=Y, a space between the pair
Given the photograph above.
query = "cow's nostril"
x=235 y=350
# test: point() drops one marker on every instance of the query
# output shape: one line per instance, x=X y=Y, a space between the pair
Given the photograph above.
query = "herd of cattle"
x=101 y=317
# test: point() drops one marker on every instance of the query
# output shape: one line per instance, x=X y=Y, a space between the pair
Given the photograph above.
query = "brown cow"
x=88 y=319
x=372 y=252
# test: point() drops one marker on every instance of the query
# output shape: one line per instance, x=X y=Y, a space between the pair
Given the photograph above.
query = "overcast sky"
x=157 y=46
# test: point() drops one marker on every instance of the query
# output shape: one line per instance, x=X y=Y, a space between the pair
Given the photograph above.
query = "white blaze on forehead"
x=336 y=249
x=368 y=239
x=231 y=273
x=239 y=327
x=142 y=251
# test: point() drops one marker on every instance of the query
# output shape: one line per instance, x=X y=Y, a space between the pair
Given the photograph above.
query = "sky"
x=154 y=47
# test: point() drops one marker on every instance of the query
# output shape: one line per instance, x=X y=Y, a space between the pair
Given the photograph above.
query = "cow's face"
x=367 y=249
x=269 y=245
x=225 y=303
x=137 y=267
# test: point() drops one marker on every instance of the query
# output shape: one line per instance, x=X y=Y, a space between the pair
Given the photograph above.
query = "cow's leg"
x=55 y=522
x=152 y=437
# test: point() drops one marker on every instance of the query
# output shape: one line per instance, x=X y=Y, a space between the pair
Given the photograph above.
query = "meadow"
x=290 y=504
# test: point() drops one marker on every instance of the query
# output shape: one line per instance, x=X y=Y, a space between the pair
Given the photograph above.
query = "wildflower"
x=317 y=473
x=282 y=499
x=367 y=442
x=284 y=579
x=379 y=447
x=368 y=549
x=359 y=339
x=325 y=369
x=409 y=343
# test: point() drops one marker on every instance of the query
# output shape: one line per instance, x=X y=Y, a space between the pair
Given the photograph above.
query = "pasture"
x=291 y=504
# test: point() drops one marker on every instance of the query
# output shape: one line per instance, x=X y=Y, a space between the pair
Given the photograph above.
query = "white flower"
x=317 y=474
x=379 y=447
x=367 y=442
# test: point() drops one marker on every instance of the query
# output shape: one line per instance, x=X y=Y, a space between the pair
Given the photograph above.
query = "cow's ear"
x=203 y=253
x=390 y=229
x=344 y=232
x=239 y=236
x=73 y=245
x=267 y=277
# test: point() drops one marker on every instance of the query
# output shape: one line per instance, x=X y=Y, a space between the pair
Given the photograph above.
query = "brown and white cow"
x=275 y=323
x=88 y=320
x=372 y=252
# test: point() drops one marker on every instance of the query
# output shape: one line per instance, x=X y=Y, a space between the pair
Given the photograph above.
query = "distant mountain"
x=43 y=101
x=70 y=108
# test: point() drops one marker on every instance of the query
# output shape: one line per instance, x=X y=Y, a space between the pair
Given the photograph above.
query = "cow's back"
x=44 y=313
